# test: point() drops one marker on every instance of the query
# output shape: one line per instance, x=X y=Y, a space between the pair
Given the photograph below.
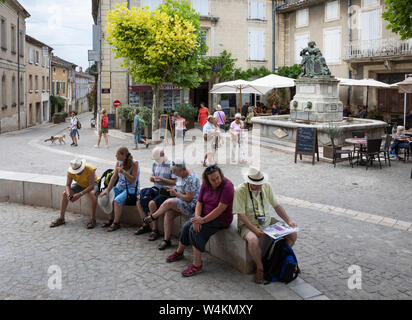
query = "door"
x=38 y=113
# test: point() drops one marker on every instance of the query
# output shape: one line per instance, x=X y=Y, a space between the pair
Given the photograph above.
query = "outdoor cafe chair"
x=338 y=152
x=357 y=148
x=385 y=148
x=373 y=149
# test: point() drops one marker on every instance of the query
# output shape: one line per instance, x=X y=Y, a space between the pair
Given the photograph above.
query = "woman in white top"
x=235 y=130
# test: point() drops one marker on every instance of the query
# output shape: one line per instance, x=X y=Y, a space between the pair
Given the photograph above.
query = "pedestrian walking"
x=103 y=128
x=203 y=115
x=73 y=129
x=139 y=125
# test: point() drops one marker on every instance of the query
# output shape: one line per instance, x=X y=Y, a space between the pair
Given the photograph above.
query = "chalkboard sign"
x=307 y=143
x=112 y=120
x=165 y=127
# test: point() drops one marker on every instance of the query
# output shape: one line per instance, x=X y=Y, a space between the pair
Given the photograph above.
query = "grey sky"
x=65 y=25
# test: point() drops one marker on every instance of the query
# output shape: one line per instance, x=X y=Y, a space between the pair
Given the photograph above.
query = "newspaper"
x=279 y=230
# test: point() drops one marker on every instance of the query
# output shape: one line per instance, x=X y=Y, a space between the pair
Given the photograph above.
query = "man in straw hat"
x=86 y=182
x=251 y=203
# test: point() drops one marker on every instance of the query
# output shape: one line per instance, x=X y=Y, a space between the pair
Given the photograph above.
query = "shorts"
x=187 y=209
x=244 y=230
x=103 y=131
x=188 y=237
x=76 y=188
x=120 y=196
x=73 y=132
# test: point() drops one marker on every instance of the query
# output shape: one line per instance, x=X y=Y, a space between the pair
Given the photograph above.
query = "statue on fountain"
x=313 y=63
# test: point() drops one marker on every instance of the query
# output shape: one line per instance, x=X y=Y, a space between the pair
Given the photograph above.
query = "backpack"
x=280 y=263
x=106 y=176
x=140 y=123
x=105 y=122
x=79 y=125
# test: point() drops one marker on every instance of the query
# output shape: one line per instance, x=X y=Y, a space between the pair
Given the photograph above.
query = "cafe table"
x=361 y=142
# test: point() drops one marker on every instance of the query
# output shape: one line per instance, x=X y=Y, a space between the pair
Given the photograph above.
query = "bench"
x=46 y=191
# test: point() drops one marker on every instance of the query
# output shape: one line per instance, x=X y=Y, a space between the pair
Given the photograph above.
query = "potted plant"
x=334 y=132
x=125 y=113
x=295 y=105
x=309 y=107
x=146 y=114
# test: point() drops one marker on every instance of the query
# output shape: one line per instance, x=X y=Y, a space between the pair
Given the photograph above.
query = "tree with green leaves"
x=218 y=69
x=160 y=46
x=399 y=15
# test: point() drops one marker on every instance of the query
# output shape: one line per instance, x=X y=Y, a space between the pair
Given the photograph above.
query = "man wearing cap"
x=252 y=201
x=152 y=198
x=86 y=182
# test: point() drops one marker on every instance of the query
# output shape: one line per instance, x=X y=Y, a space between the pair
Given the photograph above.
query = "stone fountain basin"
x=266 y=127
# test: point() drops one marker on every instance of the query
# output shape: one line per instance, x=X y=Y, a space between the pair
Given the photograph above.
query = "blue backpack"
x=280 y=263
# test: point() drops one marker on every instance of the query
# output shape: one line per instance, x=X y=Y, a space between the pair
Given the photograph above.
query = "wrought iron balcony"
x=379 y=48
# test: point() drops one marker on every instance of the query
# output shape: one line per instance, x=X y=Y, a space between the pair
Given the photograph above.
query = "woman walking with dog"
x=103 y=129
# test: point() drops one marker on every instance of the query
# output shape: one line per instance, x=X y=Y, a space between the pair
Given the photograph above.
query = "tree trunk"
x=155 y=112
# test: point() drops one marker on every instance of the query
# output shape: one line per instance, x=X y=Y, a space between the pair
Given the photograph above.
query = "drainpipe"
x=127 y=75
x=350 y=40
x=274 y=37
x=18 y=71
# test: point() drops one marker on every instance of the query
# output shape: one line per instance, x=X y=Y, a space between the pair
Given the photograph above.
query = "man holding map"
x=251 y=203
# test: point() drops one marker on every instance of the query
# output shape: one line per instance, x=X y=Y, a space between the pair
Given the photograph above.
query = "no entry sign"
x=116 y=103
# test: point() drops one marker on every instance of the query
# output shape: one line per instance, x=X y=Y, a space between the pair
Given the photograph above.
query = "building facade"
x=63 y=81
x=12 y=65
x=243 y=28
x=83 y=86
x=38 y=75
x=355 y=43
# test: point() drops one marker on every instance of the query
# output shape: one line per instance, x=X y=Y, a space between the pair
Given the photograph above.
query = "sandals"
x=149 y=219
x=92 y=224
x=259 y=278
x=57 y=223
x=142 y=230
x=107 y=224
x=165 y=244
x=192 y=270
x=175 y=256
x=154 y=235
x=114 y=227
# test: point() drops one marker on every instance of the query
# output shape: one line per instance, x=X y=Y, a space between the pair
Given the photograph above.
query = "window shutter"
x=332 y=43
x=332 y=10
x=261 y=6
x=301 y=42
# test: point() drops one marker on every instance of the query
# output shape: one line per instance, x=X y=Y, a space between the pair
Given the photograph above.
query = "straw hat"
x=255 y=176
x=238 y=116
x=77 y=166
x=218 y=107
x=106 y=202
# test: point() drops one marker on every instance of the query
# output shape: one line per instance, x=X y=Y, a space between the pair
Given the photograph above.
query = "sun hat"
x=218 y=107
x=255 y=176
x=106 y=203
x=77 y=166
x=238 y=116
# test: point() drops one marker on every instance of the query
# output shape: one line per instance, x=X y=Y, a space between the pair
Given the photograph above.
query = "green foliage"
x=92 y=70
x=333 y=131
x=295 y=104
x=309 y=105
x=126 y=112
x=398 y=13
x=57 y=104
x=220 y=68
x=252 y=74
x=59 y=117
x=187 y=111
x=146 y=114
x=290 y=72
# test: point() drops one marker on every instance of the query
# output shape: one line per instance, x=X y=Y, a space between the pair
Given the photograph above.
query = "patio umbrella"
x=404 y=87
x=237 y=87
x=363 y=83
x=273 y=81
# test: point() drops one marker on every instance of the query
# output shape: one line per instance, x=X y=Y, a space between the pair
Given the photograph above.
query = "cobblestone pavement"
x=98 y=265
x=348 y=216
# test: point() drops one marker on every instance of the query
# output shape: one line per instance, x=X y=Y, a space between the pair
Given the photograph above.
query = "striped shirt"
x=163 y=171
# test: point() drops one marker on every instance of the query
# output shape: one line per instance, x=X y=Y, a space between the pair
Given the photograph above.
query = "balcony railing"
x=377 y=48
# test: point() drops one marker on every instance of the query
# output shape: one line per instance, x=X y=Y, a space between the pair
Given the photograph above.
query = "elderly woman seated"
x=213 y=213
x=402 y=142
x=183 y=202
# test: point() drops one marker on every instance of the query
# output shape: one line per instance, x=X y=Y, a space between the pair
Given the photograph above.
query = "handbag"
x=131 y=199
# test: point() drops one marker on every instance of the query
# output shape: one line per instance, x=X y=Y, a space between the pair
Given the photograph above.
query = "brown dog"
x=56 y=138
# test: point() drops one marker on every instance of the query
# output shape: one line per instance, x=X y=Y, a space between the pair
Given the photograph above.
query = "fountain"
x=316 y=105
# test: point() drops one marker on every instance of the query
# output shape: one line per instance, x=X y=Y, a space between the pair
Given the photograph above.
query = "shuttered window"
x=332 y=45
x=301 y=42
x=332 y=10
x=201 y=6
x=370 y=25
x=257 y=10
x=302 y=18
x=31 y=55
x=256 y=44
x=370 y=3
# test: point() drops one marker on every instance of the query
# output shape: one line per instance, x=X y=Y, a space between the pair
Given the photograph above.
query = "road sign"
x=116 y=103
x=93 y=55
x=106 y=90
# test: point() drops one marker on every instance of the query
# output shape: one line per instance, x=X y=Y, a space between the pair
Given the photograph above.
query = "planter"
x=148 y=131
x=126 y=126
x=328 y=152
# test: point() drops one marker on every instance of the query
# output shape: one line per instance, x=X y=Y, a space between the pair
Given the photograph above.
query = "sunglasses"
x=212 y=169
